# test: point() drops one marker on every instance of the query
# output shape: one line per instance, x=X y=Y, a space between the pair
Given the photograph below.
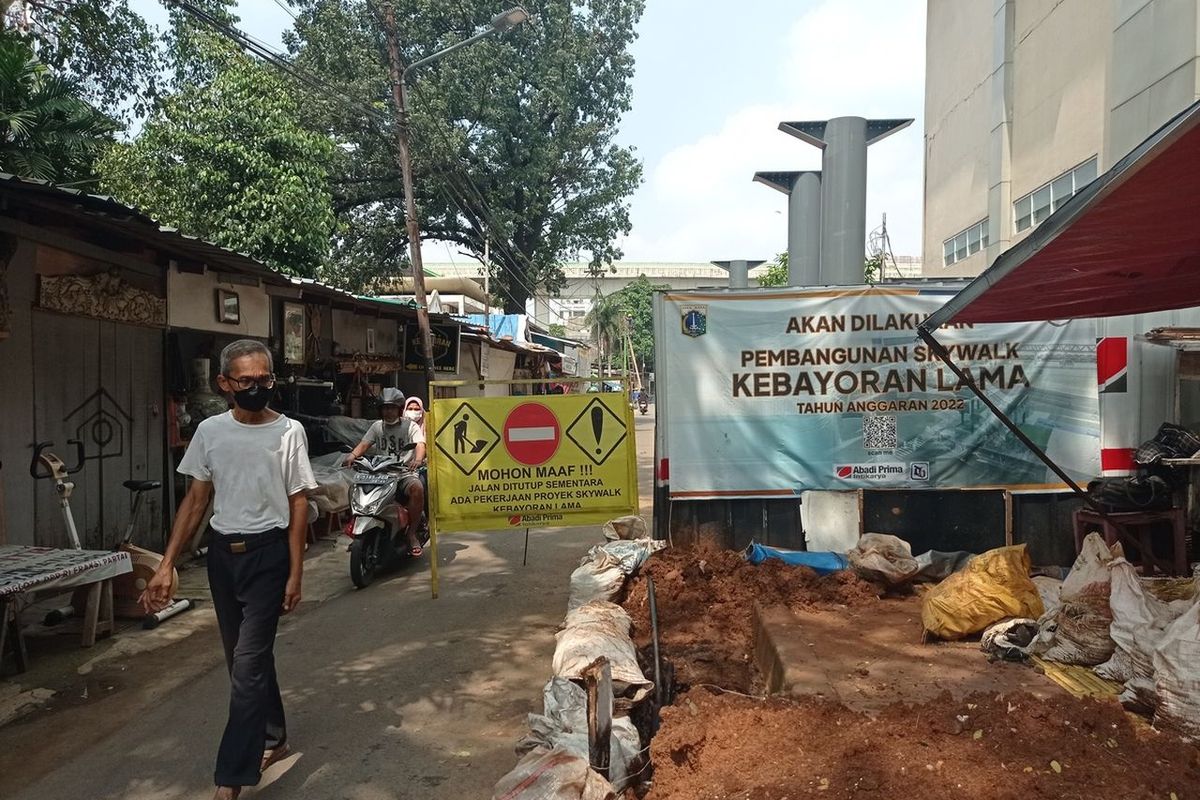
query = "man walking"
x=253 y=463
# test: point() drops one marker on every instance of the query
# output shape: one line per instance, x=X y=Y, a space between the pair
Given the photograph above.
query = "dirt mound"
x=706 y=601
x=725 y=746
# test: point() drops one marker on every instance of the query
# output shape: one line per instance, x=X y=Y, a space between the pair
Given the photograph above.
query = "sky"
x=713 y=82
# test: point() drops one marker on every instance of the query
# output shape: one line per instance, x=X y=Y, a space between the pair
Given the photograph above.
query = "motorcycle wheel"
x=364 y=559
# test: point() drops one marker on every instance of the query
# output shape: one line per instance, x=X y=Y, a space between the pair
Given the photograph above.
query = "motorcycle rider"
x=389 y=435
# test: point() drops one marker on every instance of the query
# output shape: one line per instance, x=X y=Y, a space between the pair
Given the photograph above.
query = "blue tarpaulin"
x=821 y=563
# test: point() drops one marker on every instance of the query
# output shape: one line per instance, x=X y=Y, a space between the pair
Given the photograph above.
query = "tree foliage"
x=230 y=162
x=636 y=302
x=108 y=49
x=777 y=271
x=46 y=131
x=512 y=138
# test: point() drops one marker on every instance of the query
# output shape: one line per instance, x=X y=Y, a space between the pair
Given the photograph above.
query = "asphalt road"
x=390 y=694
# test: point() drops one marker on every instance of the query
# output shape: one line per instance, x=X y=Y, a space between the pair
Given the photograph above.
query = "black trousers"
x=247 y=593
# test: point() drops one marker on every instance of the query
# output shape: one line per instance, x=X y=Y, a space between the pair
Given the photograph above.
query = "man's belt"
x=238 y=543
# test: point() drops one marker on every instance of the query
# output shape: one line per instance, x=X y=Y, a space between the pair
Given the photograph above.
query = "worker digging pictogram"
x=466 y=438
x=597 y=431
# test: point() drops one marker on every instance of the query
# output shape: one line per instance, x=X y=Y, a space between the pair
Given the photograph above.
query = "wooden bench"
x=1136 y=528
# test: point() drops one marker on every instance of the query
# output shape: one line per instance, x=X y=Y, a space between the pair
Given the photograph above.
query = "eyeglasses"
x=267 y=382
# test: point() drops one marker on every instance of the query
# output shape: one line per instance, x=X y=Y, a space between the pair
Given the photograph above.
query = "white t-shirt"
x=253 y=470
x=390 y=438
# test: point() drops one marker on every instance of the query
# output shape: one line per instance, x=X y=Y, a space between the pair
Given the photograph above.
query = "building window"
x=965 y=243
x=1043 y=201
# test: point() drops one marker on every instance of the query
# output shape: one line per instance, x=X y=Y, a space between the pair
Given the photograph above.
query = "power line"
x=286 y=10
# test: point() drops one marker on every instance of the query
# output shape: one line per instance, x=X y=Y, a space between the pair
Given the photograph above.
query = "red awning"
x=1127 y=243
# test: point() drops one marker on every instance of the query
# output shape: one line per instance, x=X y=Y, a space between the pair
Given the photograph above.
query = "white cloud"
x=865 y=58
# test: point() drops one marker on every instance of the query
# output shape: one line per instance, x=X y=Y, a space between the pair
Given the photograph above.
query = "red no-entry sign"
x=531 y=433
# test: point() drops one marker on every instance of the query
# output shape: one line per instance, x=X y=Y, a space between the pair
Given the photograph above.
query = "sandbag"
x=819 y=562
x=1078 y=633
x=1008 y=640
x=1050 y=590
x=1139 y=620
x=553 y=774
x=602 y=572
x=1177 y=675
x=595 y=629
x=992 y=587
x=563 y=725
x=631 y=527
x=882 y=558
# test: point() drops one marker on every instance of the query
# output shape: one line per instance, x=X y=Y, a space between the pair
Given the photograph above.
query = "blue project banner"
x=774 y=393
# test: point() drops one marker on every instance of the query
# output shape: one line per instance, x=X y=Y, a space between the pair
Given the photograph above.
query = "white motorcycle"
x=379 y=519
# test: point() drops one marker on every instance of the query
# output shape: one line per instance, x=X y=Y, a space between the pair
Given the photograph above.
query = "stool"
x=1135 y=528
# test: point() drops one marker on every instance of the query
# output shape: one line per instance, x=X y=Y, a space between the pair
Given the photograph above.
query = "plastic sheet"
x=821 y=563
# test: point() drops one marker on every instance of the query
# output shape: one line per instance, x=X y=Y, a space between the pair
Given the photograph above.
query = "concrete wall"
x=957 y=124
x=1020 y=91
x=350 y=333
x=191 y=303
x=1154 y=69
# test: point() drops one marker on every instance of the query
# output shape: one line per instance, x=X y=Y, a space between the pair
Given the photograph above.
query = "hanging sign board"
x=445 y=340
x=774 y=393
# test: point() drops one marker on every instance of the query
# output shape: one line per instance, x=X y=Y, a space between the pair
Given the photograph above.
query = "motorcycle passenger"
x=389 y=435
x=414 y=410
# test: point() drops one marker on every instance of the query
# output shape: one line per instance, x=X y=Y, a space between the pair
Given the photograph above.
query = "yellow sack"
x=992 y=587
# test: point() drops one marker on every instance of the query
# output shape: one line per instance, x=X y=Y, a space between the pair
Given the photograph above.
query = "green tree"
x=777 y=271
x=558 y=330
x=636 y=302
x=606 y=319
x=229 y=161
x=513 y=138
x=106 y=47
x=46 y=131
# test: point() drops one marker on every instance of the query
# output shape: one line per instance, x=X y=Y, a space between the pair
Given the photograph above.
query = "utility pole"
x=404 y=157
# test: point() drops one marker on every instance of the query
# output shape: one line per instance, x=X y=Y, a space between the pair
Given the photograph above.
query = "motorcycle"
x=379 y=519
x=643 y=404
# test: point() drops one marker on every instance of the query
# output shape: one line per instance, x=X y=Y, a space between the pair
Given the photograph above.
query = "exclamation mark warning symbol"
x=598 y=426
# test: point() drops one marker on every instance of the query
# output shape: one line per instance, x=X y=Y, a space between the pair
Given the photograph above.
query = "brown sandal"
x=274 y=756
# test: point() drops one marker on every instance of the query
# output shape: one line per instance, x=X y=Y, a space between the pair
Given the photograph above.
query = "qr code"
x=879 y=432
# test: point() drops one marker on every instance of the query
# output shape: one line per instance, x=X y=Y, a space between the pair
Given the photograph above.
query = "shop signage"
x=445 y=340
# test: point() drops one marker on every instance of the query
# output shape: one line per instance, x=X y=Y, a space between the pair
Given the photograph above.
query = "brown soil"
x=706 y=602
x=725 y=746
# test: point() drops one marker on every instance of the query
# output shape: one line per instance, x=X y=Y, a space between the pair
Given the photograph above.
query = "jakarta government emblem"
x=695 y=320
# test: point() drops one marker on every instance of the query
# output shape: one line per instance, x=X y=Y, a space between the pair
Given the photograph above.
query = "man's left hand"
x=291 y=594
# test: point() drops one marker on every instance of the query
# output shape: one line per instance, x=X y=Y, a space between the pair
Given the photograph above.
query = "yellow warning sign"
x=465 y=438
x=541 y=461
x=597 y=431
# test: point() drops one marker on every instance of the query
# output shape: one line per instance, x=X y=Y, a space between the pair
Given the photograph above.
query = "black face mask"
x=253 y=399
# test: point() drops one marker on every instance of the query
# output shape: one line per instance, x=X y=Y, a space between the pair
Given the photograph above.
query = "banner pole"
x=525 y=558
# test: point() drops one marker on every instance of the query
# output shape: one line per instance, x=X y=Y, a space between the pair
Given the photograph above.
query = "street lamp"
x=502 y=22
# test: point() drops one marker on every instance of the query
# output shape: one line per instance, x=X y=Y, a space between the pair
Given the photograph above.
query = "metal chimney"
x=843 y=142
x=804 y=222
x=739 y=272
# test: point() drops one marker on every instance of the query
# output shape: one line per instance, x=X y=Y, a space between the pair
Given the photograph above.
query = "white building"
x=1028 y=100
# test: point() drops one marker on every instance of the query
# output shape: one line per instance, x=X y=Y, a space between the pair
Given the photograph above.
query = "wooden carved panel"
x=104 y=296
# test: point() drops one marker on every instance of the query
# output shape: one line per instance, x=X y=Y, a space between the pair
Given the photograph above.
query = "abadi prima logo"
x=845 y=471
